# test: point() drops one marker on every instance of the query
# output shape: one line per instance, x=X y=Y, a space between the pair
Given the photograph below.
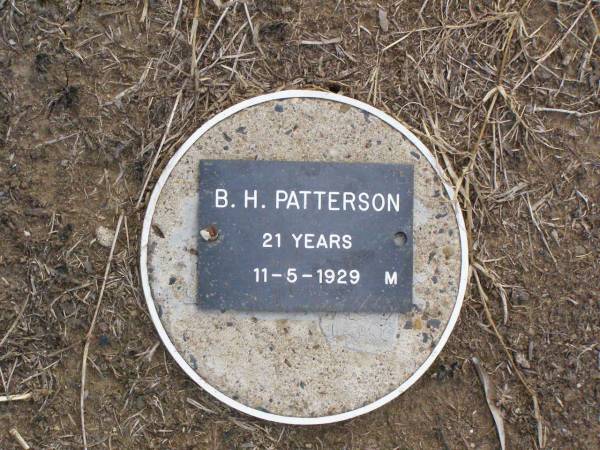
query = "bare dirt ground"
x=504 y=93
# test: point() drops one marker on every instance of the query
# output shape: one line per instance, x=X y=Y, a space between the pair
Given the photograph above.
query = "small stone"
x=544 y=74
x=383 y=20
x=434 y=323
x=88 y=267
x=522 y=361
x=104 y=236
x=447 y=251
x=139 y=402
x=520 y=296
x=418 y=324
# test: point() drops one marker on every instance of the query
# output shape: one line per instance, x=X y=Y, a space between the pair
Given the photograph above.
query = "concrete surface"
x=303 y=365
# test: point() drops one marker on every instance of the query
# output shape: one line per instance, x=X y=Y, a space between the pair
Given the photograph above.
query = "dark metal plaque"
x=305 y=236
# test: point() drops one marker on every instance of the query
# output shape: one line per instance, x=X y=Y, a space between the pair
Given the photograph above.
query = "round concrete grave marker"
x=302 y=258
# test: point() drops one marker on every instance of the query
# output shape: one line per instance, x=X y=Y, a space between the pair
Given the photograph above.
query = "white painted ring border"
x=152 y=307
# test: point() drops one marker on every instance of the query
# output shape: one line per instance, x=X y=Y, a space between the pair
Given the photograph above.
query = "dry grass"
x=97 y=97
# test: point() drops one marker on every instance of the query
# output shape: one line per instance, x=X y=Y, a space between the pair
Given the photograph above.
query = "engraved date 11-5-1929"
x=323 y=276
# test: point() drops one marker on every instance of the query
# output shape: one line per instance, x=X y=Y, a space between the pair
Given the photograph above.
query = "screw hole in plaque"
x=400 y=239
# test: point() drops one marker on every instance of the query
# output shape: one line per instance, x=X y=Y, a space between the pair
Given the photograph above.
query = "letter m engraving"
x=391 y=278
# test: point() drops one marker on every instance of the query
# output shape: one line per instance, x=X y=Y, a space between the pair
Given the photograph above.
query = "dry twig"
x=496 y=413
x=22 y=442
x=16 y=397
x=530 y=391
x=15 y=322
x=90 y=332
x=158 y=152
